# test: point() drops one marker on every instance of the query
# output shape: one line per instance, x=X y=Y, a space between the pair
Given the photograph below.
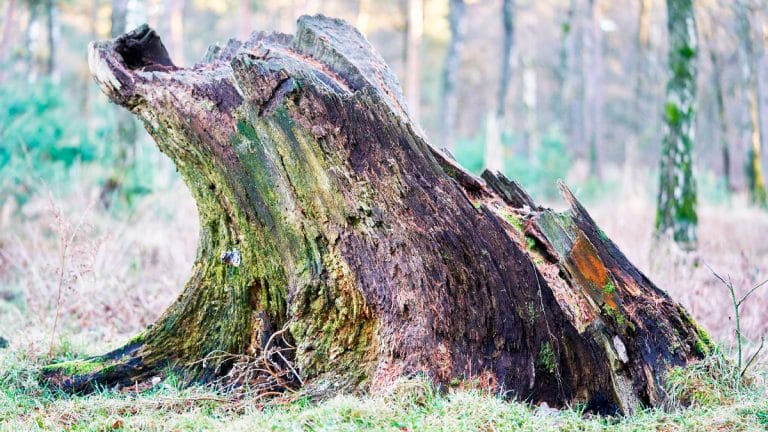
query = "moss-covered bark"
x=754 y=166
x=676 y=209
x=325 y=212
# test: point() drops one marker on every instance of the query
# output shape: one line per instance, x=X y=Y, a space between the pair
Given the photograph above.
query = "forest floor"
x=107 y=277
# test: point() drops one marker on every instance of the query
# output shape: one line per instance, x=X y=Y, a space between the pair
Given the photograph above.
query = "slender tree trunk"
x=573 y=81
x=52 y=34
x=493 y=155
x=508 y=20
x=579 y=107
x=126 y=131
x=762 y=85
x=414 y=30
x=451 y=69
x=530 y=102
x=332 y=230
x=494 y=150
x=754 y=166
x=722 y=122
x=676 y=211
x=5 y=39
x=31 y=43
x=119 y=17
x=565 y=59
x=640 y=112
x=593 y=74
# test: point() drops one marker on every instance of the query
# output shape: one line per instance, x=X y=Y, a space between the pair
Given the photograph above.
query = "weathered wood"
x=323 y=210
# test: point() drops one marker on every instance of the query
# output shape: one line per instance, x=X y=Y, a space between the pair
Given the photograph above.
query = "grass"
x=716 y=401
x=119 y=279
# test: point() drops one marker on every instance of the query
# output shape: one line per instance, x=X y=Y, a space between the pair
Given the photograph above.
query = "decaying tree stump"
x=324 y=211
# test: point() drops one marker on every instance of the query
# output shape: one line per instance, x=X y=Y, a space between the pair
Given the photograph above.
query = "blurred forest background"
x=541 y=90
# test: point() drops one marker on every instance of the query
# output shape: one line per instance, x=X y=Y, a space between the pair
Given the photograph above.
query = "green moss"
x=139 y=338
x=547 y=358
x=531 y=309
x=609 y=288
x=530 y=242
x=703 y=342
x=76 y=367
x=615 y=315
x=672 y=112
x=514 y=221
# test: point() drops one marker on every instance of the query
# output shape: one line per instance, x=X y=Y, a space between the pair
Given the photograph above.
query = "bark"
x=324 y=211
x=642 y=72
x=593 y=91
x=676 y=209
x=573 y=77
x=5 y=39
x=717 y=86
x=508 y=20
x=119 y=17
x=457 y=22
x=754 y=167
x=579 y=111
x=530 y=102
x=564 y=56
x=52 y=35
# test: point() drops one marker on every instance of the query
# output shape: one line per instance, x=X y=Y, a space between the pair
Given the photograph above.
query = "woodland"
x=383 y=215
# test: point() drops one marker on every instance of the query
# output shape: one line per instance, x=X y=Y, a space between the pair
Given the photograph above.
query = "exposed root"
x=268 y=372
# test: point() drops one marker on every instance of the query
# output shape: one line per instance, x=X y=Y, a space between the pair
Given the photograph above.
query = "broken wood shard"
x=380 y=255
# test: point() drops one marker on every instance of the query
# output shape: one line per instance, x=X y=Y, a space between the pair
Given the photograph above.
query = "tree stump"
x=327 y=217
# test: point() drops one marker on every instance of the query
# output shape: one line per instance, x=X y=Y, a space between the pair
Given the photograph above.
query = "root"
x=267 y=372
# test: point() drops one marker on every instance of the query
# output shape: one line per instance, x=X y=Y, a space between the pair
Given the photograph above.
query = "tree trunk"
x=52 y=35
x=676 y=210
x=126 y=132
x=530 y=106
x=414 y=30
x=495 y=121
x=508 y=21
x=448 y=108
x=593 y=82
x=754 y=167
x=327 y=219
x=640 y=114
x=722 y=122
x=5 y=39
x=572 y=61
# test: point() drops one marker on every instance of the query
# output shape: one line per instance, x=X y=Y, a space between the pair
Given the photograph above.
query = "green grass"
x=718 y=402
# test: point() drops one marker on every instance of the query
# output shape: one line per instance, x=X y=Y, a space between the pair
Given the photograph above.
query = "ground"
x=121 y=271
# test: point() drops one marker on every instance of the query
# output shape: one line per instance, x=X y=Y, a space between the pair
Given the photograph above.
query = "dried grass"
x=122 y=271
